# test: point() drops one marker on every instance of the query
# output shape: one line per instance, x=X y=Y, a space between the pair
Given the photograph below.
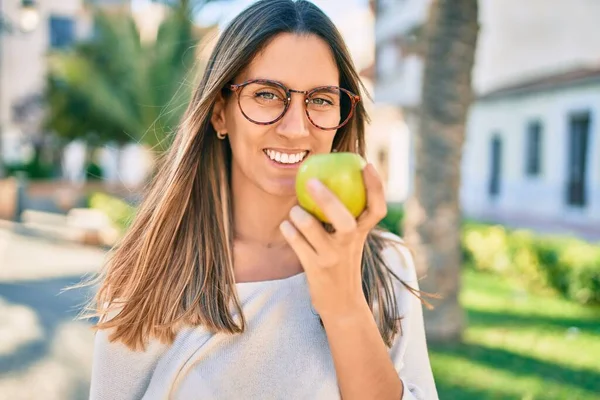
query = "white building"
x=398 y=75
x=517 y=42
x=399 y=64
x=532 y=154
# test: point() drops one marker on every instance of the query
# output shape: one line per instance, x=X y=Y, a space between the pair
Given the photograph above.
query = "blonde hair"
x=174 y=266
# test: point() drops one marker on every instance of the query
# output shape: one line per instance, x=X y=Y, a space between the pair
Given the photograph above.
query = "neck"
x=257 y=214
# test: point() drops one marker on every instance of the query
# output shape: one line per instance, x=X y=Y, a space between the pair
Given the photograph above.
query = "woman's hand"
x=332 y=261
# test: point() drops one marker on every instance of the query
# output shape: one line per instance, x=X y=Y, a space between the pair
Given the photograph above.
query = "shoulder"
x=118 y=372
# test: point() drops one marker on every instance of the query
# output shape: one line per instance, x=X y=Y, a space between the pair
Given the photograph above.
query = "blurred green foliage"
x=393 y=219
x=93 y=172
x=118 y=210
x=565 y=265
x=34 y=169
x=114 y=87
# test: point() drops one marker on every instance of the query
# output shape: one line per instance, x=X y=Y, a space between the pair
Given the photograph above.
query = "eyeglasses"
x=265 y=102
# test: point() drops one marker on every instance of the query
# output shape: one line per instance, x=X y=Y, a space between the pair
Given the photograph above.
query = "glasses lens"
x=329 y=107
x=262 y=102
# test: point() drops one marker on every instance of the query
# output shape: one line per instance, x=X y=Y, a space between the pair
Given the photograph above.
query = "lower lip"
x=282 y=165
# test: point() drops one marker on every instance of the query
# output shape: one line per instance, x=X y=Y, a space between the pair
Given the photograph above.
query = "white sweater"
x=283 y=354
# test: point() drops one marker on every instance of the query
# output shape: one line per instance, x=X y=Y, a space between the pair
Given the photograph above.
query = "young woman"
x=223 y=287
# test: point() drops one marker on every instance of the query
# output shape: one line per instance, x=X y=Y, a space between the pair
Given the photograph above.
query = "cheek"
x=245 y=137
x=324 y=140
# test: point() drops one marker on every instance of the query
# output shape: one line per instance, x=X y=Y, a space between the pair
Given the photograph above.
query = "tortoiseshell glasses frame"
x=354 y=99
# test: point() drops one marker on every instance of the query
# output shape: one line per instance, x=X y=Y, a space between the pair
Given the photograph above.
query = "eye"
x=319 y=101
x=266 y=95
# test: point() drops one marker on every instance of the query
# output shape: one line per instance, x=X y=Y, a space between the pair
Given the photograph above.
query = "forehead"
x=300 y=62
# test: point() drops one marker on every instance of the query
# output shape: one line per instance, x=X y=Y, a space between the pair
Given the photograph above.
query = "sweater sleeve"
x=119 y=373
x=409 y=351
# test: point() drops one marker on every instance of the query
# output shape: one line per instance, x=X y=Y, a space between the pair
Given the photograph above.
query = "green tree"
x=433 y=217
x=115 y=88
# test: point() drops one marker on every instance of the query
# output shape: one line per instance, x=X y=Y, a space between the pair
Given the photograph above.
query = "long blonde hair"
x=174 y=266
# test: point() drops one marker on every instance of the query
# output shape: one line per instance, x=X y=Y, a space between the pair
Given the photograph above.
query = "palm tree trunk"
x=433 y=217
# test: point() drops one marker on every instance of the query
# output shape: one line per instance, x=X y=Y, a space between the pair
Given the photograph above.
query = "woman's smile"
x=281 y=158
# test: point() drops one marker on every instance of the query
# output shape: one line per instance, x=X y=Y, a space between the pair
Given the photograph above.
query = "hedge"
x=566 y=265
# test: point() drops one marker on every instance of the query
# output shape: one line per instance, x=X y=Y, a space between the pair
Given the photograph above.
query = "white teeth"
x=285 y=158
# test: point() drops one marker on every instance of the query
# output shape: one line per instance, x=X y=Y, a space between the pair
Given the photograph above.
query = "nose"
x=294 y=123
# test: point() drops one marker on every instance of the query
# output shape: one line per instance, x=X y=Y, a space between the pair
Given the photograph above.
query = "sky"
x=224 y=11
x=227 y=10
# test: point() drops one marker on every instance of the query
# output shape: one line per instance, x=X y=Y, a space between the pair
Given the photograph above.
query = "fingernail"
x=287 y=229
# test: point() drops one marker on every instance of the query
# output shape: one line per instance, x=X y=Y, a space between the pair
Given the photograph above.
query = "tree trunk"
x=433 y=217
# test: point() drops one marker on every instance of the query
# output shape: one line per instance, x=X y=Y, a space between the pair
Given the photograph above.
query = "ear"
x=217 y=118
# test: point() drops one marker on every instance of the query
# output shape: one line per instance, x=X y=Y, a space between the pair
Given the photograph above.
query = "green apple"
x=341 y=173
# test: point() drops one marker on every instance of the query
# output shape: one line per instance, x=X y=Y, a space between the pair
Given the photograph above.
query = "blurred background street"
x=44 y=352
x=484 y=128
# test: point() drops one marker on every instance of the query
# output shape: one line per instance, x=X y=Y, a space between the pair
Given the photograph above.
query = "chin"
x=280 y=187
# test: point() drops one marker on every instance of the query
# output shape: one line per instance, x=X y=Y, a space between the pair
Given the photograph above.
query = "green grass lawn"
x=519 y=346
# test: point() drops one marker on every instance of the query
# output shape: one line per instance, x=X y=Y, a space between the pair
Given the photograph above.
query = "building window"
x=495 y=166
x=577 y=168
x=533 y=161
x=62 y=32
